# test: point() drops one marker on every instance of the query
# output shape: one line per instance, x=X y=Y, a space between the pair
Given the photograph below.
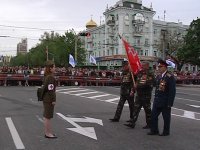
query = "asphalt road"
x=81 y=121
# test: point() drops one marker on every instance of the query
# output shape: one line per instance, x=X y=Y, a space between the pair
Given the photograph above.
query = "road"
x=81 y=121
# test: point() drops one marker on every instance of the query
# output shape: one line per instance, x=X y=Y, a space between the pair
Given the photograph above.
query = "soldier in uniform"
x=164 y=98
x=144 y=86
x=49 y=97
x=126 y=93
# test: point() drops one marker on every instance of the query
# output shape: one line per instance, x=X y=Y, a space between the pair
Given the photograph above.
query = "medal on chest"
x=162 y=85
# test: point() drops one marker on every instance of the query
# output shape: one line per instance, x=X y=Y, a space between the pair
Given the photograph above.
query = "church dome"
x=91 y=24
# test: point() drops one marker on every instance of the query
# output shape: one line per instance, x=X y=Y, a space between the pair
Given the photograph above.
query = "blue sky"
x=61 y=15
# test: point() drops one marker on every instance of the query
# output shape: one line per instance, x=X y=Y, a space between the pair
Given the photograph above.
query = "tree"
x=190 y=52
x=175 y=42
x=59 y=48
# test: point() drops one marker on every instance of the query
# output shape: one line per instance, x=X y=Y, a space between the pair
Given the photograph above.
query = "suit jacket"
x=165 y=90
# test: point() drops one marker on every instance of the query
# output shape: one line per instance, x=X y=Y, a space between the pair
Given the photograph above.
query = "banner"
x=71 y=60
x=133 y=58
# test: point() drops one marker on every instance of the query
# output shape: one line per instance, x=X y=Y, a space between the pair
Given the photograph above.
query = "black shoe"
x=164 y=134
x=114 y=120
x=152 y=133
x=146 y=127
x=130 y=125
x=50 y=137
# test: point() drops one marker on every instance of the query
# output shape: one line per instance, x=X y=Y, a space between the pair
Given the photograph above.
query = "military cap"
x=49 y=63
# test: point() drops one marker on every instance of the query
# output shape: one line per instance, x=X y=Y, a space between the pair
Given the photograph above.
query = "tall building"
x=22 y=47
x=134 y=22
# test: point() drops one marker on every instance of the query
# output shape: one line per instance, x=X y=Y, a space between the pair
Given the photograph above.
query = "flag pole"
x=129 y=66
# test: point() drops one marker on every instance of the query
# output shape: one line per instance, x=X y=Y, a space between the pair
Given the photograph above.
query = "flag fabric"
x=93 y=60
x=133 y=58
x=171 y=63
x=71 y=60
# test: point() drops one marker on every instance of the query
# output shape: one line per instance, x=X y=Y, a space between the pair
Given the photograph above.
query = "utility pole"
x=47 y=53
x=76 y=40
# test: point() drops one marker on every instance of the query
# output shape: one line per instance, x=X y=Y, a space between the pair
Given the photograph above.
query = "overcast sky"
x=61 y=15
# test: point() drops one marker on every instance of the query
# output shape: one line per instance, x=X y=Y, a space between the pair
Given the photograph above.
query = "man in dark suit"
x=164 y=98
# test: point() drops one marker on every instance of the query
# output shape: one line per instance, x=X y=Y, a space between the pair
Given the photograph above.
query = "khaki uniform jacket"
x=49 y=94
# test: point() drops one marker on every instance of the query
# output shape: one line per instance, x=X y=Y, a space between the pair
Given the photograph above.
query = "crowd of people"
x=82 y=72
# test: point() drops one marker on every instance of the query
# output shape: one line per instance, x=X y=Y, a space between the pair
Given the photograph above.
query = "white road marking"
x=85 y=93
x=189 y=114
x=185 y=117
x=86 y=131
x=32 y=100
x=113 y=99
x=99 y=96
x=16 y=138
x=187 y=99
x=58 y=90
x=81 y=90
x=195 y=106
x=40 y=119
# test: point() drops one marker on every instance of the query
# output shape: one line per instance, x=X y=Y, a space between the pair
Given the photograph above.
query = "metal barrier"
x=20 y=79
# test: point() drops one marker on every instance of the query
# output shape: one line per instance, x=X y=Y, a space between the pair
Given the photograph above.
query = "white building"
x=135 y=23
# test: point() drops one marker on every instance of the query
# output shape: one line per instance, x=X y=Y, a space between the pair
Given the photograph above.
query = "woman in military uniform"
x=49 y=97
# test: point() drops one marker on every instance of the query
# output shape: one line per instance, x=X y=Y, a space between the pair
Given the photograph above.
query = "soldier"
x=126 y=93
x=49 y=97
x=164 y=98
x=144 y=86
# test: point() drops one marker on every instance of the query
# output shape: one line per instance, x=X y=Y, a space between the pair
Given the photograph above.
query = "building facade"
x=22 y=47
x=134 y=22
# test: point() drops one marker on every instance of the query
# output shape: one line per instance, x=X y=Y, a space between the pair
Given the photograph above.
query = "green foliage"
x=190 y=53
x=59 y=48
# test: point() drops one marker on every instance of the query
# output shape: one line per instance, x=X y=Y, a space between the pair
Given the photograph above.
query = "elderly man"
x=164 y=98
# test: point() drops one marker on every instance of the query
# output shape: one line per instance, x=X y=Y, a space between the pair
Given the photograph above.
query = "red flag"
x=133 y=58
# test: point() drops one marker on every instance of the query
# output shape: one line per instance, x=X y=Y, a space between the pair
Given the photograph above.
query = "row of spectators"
x=83 y=72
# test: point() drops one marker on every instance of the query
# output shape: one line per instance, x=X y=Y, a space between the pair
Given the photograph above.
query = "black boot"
x=131 y=125
x=114 y=120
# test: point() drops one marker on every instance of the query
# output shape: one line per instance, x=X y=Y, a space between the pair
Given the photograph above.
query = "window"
x=146 y=52
x=112 y=52
x=107 y=52
x=126 y=17
x=116 y=51
x=141 y=52
x=146 y=42
x=155 y=53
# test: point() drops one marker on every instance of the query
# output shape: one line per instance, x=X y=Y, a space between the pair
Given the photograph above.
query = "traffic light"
x=84 y=34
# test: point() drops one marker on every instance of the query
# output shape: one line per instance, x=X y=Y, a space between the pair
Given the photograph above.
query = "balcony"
x=110 y=22
x=138 y=34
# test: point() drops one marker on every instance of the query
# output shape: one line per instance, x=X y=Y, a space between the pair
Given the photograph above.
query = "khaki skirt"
x=48 y=110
